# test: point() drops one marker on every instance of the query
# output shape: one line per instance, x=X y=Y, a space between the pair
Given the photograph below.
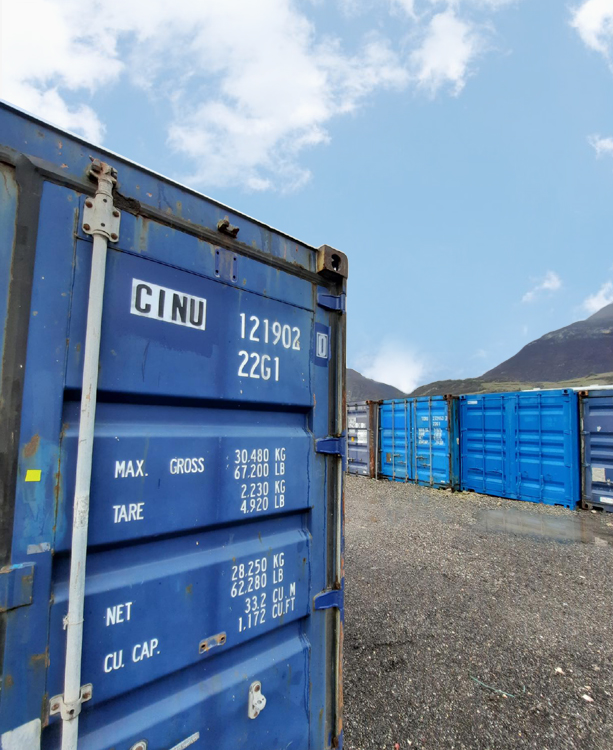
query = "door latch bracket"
x=70 y=710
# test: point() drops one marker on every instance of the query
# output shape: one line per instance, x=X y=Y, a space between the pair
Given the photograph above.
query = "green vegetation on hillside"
x=476 y=385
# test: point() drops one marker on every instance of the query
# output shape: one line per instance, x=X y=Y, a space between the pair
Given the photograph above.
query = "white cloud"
x=551 y=282
x=593 y=20
x=596 y=301
x=247 y=87
x=449 y=46
x=602 y=146
x=394 y=364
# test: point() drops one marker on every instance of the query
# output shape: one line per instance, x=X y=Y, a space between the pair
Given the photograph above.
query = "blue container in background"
x=522 y=445
x=361 y=437
x=596 y=413
x=214 y=568
x=418 y=441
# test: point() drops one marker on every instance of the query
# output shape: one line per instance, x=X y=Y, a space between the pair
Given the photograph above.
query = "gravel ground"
x=443 y=589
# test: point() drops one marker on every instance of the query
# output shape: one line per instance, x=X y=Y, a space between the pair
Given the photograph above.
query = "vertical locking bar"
x=101 y=220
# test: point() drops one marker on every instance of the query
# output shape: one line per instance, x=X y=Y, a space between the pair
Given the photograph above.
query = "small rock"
x=587 y=698
x=559 y=670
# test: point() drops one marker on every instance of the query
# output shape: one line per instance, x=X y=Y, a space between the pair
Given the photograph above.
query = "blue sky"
x=459 y=151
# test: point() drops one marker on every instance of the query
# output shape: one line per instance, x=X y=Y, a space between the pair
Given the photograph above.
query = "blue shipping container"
x=418 y=441
x=596 y=412
x=522 y=445
x=214 y=554
x=361 y=437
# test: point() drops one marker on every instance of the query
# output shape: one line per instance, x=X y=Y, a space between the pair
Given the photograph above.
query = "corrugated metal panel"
x=361 y=438
x=522 y=445
x=419 y=441
x=597 y=449
x=215 y=534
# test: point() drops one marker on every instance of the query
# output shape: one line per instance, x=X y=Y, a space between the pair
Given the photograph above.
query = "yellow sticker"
x=33 y=475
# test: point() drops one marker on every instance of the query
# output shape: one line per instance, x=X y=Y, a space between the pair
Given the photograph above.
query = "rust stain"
x=8 y=681
x=78 y=348
x=31 y=447
x=189 y=590
x=45 y=710
x=57 y=487
x=37 y=660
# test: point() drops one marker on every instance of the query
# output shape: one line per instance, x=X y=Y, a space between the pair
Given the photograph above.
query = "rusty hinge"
x=329 y=599
x=336 y=446
x=330 y=301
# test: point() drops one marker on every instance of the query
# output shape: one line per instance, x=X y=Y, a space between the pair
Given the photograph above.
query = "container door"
x=597 y=435
x=547 y=442
x=483 y=443
x=214 y=523
x=432 y=442
x=358 y=438
x=394 y=441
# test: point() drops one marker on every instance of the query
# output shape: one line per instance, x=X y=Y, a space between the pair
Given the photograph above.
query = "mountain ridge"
x=576 y=355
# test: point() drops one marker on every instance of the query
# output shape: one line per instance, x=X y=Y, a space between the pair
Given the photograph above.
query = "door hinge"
x=99 y=214
x=329 y=599
x=329 y=301
x=16 y=585
x=336 y=446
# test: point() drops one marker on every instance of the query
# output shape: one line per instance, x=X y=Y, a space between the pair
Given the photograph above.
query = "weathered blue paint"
x=215 y=522
x=596 y=414
x=361 y=438
x=8 y=212
x=418 y=441
x=522 y=445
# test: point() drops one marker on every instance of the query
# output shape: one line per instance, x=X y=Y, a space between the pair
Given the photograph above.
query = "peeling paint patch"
x=31 y=447
x=35 y=549
x=25 y=737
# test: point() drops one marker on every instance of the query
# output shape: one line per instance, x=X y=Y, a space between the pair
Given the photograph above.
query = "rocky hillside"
x=575 y=351
x=360 y=388
x=576 y=355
